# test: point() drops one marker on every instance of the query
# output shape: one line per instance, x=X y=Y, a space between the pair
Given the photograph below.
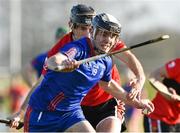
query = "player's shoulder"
x=66 y=38
x=83 y=41
x=40 y=57
x=119 y=45
x=173 y=63
x=43 y=55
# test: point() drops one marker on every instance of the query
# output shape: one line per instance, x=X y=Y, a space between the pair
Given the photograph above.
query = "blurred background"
x=27 y=28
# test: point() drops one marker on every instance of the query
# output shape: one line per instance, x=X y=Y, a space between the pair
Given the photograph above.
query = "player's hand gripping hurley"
x=8 y=122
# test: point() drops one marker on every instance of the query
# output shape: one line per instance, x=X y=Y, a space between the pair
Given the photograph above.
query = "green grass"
x=151 y=92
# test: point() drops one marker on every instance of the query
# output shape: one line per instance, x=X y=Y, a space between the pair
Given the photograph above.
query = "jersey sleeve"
x=38 y=62
x=72 y=50
x=172 y=68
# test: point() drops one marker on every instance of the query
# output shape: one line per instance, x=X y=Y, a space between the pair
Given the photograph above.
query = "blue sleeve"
x=107 y=74
x=38 y=63
x=75 y=50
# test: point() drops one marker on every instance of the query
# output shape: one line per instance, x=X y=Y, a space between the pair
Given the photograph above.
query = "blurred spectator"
x=17 y=92
x=60 y=32
x=32 y=71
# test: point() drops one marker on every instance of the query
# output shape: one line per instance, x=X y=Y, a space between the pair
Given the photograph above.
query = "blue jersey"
x=63 y=91
x=38 y=63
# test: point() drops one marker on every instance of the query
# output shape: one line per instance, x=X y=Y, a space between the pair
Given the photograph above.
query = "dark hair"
x=82 y=14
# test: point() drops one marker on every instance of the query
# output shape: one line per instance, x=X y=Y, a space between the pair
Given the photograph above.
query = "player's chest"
x=94 y=68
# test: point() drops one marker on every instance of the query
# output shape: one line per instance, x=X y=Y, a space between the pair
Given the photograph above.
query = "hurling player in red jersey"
x=166 y=116
x=98 y=98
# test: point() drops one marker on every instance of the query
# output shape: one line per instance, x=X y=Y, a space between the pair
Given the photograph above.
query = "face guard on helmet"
x=82 y=14
x=107 y=22
x=105 y=25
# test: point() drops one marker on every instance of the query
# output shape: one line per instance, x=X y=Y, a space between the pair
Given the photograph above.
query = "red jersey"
x=97 y=95
x=166 y=110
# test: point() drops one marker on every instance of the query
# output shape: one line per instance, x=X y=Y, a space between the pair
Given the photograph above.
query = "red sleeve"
x=119 y=45
x=66 y=39
x=115 y=74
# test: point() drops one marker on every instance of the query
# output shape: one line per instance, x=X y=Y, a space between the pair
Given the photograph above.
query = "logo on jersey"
x=71 y=53
x=95 y=69
x=171 y=64
x=98 y=70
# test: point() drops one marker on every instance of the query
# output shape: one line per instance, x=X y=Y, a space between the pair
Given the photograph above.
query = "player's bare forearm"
x=55 y=61
x=160 y=87
x=61 y=63
x=114 y=89
x=135 y=66
x=117 y=91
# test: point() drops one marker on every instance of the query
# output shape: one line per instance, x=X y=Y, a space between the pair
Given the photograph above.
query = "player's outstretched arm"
x=156 y=78
x=117 y=91
x=135 y=66
x=61 y=63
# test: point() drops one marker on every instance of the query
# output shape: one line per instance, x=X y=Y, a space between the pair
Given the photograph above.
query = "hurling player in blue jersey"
x=54 y=106
x=32 y=71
